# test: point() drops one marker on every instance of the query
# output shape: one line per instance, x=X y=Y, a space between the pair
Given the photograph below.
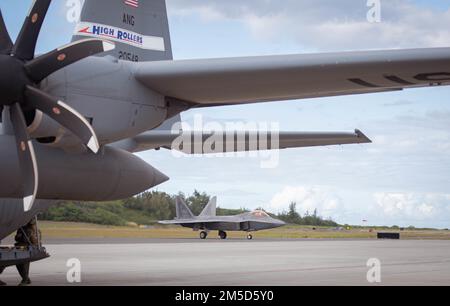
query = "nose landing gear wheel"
x=249 y=236
x=203 y=235
x=222 y=235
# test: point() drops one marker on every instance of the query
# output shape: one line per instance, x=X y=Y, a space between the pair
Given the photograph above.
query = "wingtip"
x=362 y=137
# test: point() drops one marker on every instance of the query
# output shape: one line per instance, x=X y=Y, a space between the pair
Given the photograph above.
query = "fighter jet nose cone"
x=281 y=223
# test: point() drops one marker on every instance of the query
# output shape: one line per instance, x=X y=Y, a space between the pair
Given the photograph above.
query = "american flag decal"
x=133 y=3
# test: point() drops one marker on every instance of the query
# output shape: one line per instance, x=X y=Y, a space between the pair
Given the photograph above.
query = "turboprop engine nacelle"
x=113 y=174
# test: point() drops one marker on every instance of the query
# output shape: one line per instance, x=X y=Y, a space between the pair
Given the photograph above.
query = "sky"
x=401 y=179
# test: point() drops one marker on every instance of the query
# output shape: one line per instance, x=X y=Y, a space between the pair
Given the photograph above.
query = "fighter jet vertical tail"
x=183 y=211
x=210 y=209
x=140 y=28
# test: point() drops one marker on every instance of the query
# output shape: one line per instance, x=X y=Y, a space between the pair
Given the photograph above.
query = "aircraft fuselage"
x=105 y=91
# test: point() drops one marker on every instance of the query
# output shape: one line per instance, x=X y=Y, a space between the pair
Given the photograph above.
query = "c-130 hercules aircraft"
x=71 y=121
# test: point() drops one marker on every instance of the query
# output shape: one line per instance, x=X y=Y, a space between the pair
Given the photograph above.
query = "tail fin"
x=210 y=209
x=140 y=28
x=183 y=211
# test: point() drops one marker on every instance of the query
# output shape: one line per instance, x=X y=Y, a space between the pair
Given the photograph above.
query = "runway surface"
x=236 y=263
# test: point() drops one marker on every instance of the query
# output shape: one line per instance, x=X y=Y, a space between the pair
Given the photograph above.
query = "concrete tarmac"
x=244 y=263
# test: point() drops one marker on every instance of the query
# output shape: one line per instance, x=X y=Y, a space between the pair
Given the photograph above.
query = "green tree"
x=293 y=217
x=197 y=202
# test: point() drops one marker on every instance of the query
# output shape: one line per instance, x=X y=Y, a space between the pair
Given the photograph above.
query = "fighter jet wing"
x=200 y=143
x=229 y=81
x=200 y=221
x=176 y=222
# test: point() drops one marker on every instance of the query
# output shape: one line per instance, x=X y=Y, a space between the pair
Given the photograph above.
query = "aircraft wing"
x=176 y=222
x=228 y=81
x=183 y=222
x=198 y=143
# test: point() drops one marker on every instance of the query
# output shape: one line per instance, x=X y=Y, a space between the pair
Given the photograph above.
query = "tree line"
x=150 y=207
x=313 y=219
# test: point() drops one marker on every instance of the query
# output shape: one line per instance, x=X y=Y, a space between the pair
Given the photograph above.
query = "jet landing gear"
x=203 y=235
x=222 y=235
x=27 y=249
x=249 y=236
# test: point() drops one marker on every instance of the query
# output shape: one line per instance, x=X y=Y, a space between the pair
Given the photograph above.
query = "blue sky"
x=402 y=178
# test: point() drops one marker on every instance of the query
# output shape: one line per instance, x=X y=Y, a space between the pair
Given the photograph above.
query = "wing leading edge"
x=228 y=81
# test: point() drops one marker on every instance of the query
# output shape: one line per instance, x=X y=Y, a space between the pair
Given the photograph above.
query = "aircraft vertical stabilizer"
x=183 y=211
x=139 y=28
x=210 y=209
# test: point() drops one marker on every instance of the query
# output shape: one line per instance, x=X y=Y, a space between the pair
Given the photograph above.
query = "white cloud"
x=412 y=207
x=328 y=24
x=327 y=203
x=406 y=135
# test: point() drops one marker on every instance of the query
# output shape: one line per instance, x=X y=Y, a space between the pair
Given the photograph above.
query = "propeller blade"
x=5 y=40
x=64 y=115
x=26 y=42
x=27 y=157
x=42 y=66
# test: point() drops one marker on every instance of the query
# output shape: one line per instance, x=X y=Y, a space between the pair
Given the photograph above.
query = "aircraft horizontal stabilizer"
x=213 y=143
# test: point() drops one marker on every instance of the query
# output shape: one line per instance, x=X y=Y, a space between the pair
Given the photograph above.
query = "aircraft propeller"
x=20 y=75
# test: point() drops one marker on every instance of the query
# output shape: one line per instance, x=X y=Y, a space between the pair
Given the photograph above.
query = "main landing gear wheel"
x=222 y=235
x=203 y=235
x=249 y=236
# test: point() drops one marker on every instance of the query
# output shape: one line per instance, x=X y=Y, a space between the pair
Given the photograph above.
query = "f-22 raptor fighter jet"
x=209 y=221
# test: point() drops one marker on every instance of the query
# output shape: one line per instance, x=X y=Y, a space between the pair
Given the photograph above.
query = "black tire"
x=203 y=235
x=249 y=236
x=222 y=235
